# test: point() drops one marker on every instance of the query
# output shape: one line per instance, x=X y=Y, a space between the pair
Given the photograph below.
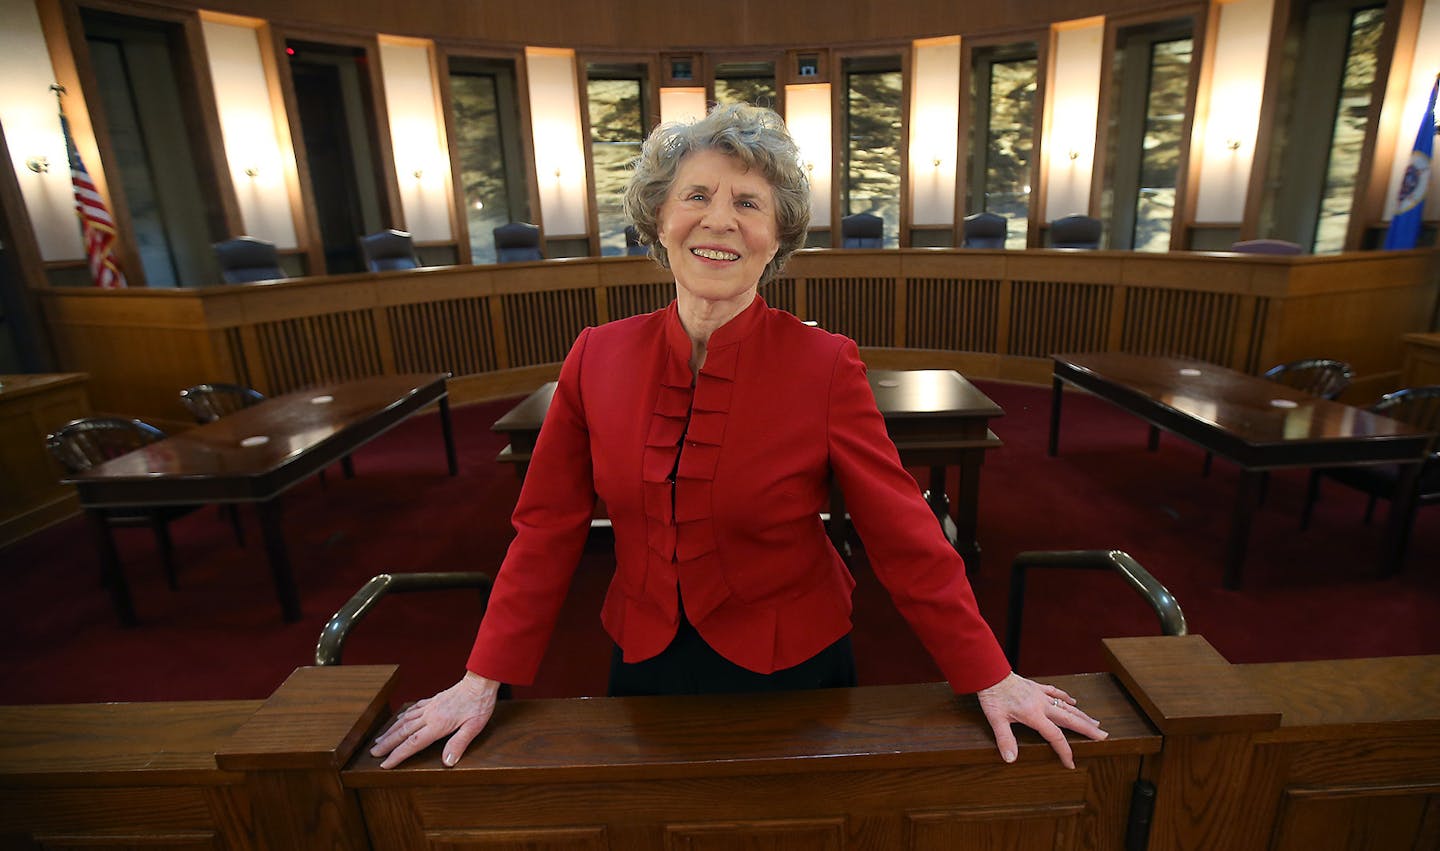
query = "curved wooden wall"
x=502 y=330
x=664 y=25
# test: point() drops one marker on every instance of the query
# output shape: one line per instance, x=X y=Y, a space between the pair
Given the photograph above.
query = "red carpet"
x=1307 y=595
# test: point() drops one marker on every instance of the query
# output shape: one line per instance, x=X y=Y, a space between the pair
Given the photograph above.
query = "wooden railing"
x=1202 y=754
x=502 y=330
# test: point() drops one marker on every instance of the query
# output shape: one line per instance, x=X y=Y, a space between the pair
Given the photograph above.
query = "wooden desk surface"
x=825 y=730
x=1254 y=410
x=252 y=453
x=104 y=743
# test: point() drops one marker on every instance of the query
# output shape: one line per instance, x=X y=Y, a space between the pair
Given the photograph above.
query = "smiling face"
x=718 y=226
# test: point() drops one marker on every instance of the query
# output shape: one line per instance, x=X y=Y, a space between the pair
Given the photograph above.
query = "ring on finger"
x=1057 y=701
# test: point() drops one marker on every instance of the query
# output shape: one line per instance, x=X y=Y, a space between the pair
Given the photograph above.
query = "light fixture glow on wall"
x=934 y=118
x=807 y=114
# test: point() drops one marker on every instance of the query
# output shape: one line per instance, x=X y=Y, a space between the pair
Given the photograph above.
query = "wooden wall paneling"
x=1214 y=788
x=1422 y=360
x=1119 y=315
x=575 y=766
x=122 y=775
x=32 y=406
x=1359 y=751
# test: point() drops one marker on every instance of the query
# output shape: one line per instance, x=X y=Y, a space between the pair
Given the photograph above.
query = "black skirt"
x=690 y=666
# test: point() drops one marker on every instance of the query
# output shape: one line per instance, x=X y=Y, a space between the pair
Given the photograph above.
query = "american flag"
x=95 y=221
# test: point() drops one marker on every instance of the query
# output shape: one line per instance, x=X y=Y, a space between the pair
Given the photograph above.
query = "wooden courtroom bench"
x=1202 y=753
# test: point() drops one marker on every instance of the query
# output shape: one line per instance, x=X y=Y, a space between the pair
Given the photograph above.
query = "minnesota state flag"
x=1410 y=203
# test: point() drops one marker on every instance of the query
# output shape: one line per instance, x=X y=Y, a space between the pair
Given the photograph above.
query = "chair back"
x=245 y=259
x=985 y=230
x=517 y=242
x=1418 y=406
x=862 y=230
x=87 y=442
x=1267 y=246
x=633 y=247
x=1317 y=376
x=388 y=250
x=1075 y=231
x=209 y=402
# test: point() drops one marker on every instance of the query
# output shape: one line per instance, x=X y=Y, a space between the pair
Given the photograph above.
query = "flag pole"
x=97 y=228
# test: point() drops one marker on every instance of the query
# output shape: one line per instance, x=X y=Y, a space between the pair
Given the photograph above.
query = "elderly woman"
x=711 y=429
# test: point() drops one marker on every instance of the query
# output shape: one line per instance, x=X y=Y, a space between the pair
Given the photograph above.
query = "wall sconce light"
x=557 y=174
x=809 y=167
x=252 y=171
x=39 y=165
x=1073 y=154
x=418 y=174
x=935 y=161
x=1232 y=143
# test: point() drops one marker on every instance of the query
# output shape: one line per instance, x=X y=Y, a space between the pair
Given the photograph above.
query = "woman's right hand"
x=463 y=709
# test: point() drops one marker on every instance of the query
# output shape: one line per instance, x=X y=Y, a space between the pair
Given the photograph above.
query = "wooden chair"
x=985 y=230
x=245 y=259
x=388 y=250
x=90 y=441
x=1159 y=598
x=209 y=402
x=1418 y=406
x=862 y=230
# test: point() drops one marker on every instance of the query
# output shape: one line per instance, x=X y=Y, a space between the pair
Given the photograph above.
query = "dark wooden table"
x=936 y=418
x=1255 y=423
x=255 y=455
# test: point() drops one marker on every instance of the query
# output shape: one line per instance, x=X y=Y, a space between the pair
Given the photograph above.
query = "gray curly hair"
x=755 y=136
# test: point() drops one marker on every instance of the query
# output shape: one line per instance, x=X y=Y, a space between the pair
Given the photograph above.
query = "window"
x=1003 y=88
x=336 y=110
x=746 y=82
x=1151 y=85
x=145 y=101
x=486 y=118
x=874 y=106
x=615 y=98
x=1321 y=122
x=1347 y=133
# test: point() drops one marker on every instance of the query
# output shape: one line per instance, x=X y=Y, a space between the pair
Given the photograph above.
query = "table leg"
x=347 y=467
x=1400 y=520
x=1153 y=443
x=967 y=509
x=1245 y=501
x=1055 y=397
x=112 y=576
x=449 y=435
x=279 y=559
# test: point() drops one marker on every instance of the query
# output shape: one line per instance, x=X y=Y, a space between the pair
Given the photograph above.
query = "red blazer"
x=777 y=407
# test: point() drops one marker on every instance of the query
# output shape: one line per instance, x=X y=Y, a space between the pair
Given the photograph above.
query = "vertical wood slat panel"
x=449 y=336
x=1180 y=323
x=314 y=349
x=1049 y=317
x=862 y=309
x=540 y=326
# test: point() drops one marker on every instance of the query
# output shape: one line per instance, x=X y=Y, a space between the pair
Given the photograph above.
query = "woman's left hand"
x=1043 y=708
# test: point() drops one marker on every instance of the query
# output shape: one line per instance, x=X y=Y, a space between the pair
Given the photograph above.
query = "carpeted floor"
x=1306 y=595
